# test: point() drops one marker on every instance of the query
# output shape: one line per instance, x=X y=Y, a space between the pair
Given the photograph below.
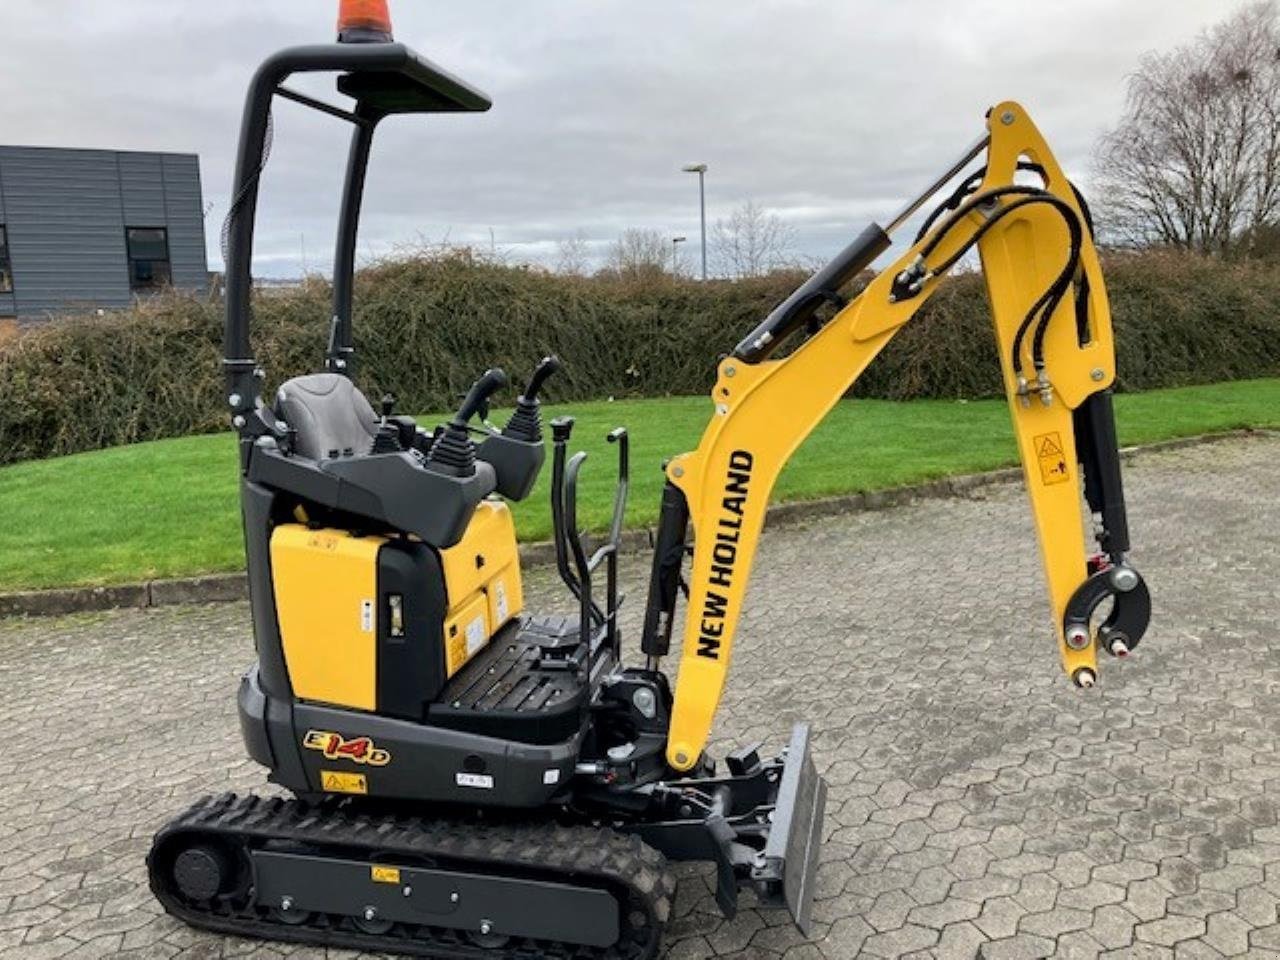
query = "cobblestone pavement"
x=979 y=807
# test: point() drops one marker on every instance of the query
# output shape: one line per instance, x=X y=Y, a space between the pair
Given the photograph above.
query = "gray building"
x=85 y=229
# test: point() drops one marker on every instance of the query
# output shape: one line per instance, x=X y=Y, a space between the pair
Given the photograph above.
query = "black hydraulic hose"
x=978 y=234
x=1042 y=310
x=968 y=206
x=1042 y=327
x=249 y=185
x=1061 y=285
x=968 y=186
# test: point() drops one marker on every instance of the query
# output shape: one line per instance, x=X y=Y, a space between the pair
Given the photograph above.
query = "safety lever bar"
x=608 y=551
x=561 y=430
x=569 y=541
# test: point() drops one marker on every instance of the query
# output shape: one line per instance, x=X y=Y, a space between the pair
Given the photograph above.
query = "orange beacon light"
x=364 y=21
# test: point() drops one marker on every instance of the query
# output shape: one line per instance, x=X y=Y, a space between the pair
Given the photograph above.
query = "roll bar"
x=383 y=79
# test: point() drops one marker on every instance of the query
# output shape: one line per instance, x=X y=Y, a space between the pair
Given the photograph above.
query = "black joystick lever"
x=477 y=398
x=546 y=368
x=387 y=439
x=454 y=452
x=526 y=423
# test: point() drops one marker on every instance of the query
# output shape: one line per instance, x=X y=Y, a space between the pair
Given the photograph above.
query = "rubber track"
x=568 y=854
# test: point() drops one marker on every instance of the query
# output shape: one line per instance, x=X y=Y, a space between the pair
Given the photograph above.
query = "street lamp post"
x=701 y=170
x=675 y=256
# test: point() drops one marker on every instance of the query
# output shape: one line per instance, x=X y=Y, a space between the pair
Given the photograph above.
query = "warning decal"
x=1052 y=460
x=337 y=781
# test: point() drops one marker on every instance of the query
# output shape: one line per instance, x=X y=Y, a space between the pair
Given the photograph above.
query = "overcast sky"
x=827 y=113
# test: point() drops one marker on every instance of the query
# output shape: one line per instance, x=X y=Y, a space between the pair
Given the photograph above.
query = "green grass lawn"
x=169 y=508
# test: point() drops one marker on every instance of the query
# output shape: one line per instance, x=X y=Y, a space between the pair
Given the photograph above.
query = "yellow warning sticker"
x=339 y=781
x=384 y=874
x=1052 y=459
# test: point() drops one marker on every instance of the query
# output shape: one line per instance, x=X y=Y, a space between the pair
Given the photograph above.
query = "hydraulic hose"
x=1042 y=310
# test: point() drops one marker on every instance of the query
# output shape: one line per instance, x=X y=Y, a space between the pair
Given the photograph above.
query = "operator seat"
x=332 y=461
x=331 y=417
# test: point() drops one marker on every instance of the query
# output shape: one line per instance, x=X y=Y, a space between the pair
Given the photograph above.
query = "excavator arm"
x=1053 y=331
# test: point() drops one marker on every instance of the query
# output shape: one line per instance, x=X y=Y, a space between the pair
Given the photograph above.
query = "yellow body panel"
x=505 y=595
x=482 y=578
x=326 y=599
x=765 y=410
x=489 y=545
x=466 y=633
x=326 y=596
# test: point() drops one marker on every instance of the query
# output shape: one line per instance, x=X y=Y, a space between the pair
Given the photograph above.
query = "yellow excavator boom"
x=1056 y=353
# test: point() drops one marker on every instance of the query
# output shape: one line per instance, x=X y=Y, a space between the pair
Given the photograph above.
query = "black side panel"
x=394 y=488
x=410 y=665
x=428 y=764
x=256 y=507
x=456 y=899
x=252 y=705
x=282 y=739
x=515 y=462
x=390 y=487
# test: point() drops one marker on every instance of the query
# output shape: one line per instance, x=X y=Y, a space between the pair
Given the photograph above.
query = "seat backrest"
x=331 y=417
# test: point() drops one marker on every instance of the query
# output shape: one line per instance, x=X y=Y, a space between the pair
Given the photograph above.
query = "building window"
x=148 y=258
x=6 y=272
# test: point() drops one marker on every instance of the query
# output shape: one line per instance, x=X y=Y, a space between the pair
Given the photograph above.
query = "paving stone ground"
x=979 y=807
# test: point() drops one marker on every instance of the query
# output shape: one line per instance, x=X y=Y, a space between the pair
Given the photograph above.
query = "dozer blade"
x=761 y=825
x=791 y=852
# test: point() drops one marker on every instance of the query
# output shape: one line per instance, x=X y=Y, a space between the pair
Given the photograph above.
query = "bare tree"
x=751 y=242
x=640 y=255
x=1195 y=162
x=572 y=255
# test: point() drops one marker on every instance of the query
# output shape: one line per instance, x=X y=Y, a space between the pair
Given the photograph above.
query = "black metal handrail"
x=576 y=568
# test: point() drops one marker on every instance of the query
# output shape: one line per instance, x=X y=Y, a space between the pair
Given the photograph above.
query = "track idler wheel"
x=203 y=872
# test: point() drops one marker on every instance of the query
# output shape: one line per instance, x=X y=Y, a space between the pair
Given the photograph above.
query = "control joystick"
x=454 y=452
x=387 y=439
x=526 y=423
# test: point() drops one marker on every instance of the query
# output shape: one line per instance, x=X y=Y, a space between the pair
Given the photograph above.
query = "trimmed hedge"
x=426 y=327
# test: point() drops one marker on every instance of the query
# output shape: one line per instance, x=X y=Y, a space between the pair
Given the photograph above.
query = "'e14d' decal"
x=335 y=746
x=724 y=554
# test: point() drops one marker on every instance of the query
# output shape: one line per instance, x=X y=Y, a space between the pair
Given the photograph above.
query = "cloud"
x=827 y=113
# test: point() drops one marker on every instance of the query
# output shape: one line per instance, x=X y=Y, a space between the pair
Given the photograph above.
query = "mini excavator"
x=467 y=778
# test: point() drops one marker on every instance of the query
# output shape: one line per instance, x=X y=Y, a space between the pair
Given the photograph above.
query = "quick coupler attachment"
x=1124 y=626
x=761 y=825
